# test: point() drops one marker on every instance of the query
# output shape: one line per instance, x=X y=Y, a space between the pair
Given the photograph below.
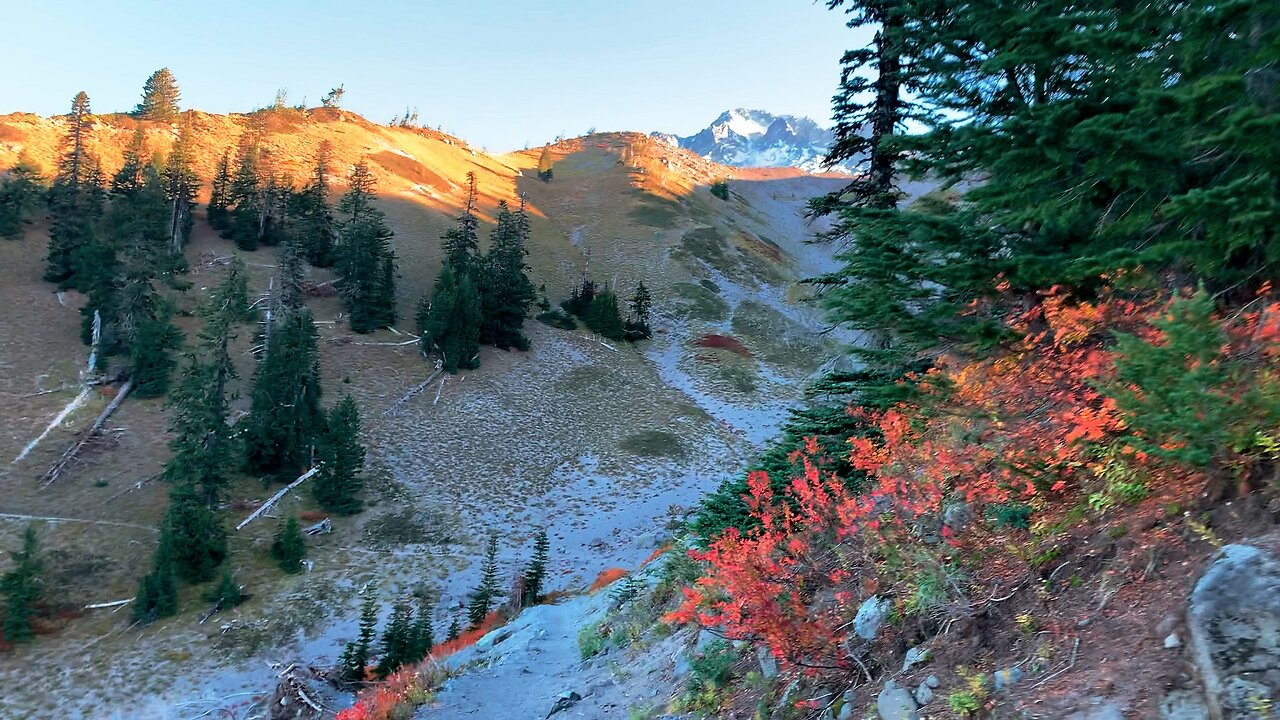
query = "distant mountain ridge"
x=757 y=138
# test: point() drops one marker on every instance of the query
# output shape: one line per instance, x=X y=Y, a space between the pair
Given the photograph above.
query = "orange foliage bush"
x=467 y=638
x=607 y=577
x=657 y=553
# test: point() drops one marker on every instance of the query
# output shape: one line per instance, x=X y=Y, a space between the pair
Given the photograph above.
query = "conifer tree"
x=579 y=301
x=637 y=325
x=339 y=482
x=603 y=316
x=397 y=640
x=284 y=419
x=481 y=600
x=199 y=541
x=544 y=164
x=455 y=629
x=21 y=193
x=365 y=260
x=450 y=323
x=246 y=203
x=421 y=632
x=159 y=97
x=180 y=186
x=151 y=355
x=506 y=293
x=288 y=548
x=312 y=221
x=536 y=573
x=157 y=595
x=220 y=195
x=227 y=593
x=21 y=588
x=75 y=200
x=354 y=662
x=461 y=242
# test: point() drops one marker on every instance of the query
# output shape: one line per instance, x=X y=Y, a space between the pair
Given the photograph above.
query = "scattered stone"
x=871 y=615
x=846 y=706
x=565 y=701
x=915 y=656
x=1166 y=626
x=1233 y=619
x=647 y=540
x=896 y=703
x=923 y=694
x=1183 y=705
x=1005 y=678
x=1172 y=641
x=932 y=681
x=768 y=663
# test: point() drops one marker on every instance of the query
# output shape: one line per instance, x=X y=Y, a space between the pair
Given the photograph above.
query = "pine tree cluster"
x=599 y=310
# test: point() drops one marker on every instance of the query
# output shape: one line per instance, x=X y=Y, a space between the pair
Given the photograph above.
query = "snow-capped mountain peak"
x=755 y=138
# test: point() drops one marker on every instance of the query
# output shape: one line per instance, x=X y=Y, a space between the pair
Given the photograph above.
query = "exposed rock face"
x=1233 y=621
x=896 y=703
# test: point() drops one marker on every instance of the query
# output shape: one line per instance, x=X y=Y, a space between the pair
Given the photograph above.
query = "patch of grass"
x=394 y=529
x=706 y=244
x=698 y=303
x=591 y=640
x=777 y=339
x=653 y=443
x=656 y=212
x=741 y=379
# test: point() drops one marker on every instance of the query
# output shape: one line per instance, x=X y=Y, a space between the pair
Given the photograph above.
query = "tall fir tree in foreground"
x=365 y=260
x=160 y=97
x=637 y=324
x=421 y=633
x=20 y=587
x=246 y=201
x=339 y=481
x=198 y=538
x=482 y=598
x=397 y=640
x=461 y=243
x=217 y=212
x=288 y=548
x=180 y=186
x=76 y=198
x=312 y=221
x=449 y=321
x=157 y=594
x=21 y=195
x=506 y=293
x=604 y=317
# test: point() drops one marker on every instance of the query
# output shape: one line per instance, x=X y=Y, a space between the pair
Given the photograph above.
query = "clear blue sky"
x=498 y=73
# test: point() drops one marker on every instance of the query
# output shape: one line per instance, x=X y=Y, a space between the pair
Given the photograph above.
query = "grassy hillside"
x=592 y=441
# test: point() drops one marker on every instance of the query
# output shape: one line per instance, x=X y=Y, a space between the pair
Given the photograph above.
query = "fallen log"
x=324 y=527
x=414 y=391
x=113 y=603
x=58 y=467
x=276 y=498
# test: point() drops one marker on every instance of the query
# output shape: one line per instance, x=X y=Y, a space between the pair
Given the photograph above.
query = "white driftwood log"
x=58 y=467
x=276 y=498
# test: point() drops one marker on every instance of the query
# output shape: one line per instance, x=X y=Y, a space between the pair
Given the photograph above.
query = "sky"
x=501 y=74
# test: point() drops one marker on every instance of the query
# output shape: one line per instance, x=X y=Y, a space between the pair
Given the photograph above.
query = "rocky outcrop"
x=1233 y=620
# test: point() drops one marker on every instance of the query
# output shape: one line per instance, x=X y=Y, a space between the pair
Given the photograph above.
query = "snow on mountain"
x=755 y=138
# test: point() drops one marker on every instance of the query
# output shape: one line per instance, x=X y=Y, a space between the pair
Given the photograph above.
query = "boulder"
x=871 y=615
x=896 y=703
x=923 y=694
x=1005 y=678
x=768 y=663
x=566 y=700
x=1233 y=624
x=915 y=656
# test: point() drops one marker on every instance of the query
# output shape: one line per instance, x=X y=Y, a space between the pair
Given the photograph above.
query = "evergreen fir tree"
x=288 y=548
x=536 y=573
x=75 y=200
x=284 y=419
x=397 y=640
x=544 y=164
x=220 y=195
x=603 y=316
x=180 y=186
x=21 y=588
x=159 y=97
x=246 y=203
x=506 y=293
x=421 y=632
x=339 y=482
x=450 y=322
x=637 y=325
x=21 y=192
x=461 y=243
x=481 y=601
x=365 y=260
x=579 y=301
x=157 y=595
x=199 y=541
x=354 y=663
x=455 y=629
x=151 y=355
x=313 y=223
x=227 y=593
x=101 y=282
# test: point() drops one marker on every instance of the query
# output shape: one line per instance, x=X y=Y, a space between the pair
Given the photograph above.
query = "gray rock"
x=957 y=515
x=923 y=694
x=932 y=681
x=705 y=638
x=915 y=656
x=1172 y=641
x=1233 y=620
x=768 y=663
x=846 y=706
x=565 y=701
x=1005 y=678
x=1183 y=705
x=682 y=666
x=896 y=703
x=871 y=615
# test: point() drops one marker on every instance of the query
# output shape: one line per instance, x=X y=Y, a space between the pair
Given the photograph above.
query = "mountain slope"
x=756 y=138
x=594 y=442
